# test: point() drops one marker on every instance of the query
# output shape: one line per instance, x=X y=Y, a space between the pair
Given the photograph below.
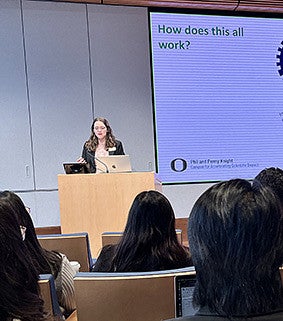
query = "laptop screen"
x=184 y=288
x=75 y=168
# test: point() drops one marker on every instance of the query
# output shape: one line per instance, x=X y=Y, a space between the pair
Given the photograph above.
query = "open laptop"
x=75 y=168
x=184 y=288
x=113 y=164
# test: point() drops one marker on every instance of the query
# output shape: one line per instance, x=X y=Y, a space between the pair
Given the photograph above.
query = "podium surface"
x=96 y=203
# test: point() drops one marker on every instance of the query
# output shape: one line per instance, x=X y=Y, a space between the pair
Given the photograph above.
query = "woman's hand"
x=81 y=160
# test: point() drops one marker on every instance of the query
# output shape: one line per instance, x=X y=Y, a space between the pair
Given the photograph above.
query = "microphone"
x=101 y=162
x=94 y=158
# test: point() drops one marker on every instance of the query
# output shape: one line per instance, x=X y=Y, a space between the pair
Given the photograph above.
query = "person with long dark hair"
x=44 y=261
x=235 y=234
x=19 y=291
x=102 y=142
x=149 y=241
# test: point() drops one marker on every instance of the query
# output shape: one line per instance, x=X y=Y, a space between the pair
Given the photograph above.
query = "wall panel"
x=44 y=207
x=16 y=170
x=59 y=85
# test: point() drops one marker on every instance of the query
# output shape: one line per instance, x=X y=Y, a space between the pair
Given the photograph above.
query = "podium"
x=96 y=203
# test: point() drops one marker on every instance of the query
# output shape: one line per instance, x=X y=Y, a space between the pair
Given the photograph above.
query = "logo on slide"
x=280 y=59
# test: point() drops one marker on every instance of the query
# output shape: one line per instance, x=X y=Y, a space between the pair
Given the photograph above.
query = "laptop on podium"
x=113 y=164
x=75 y=168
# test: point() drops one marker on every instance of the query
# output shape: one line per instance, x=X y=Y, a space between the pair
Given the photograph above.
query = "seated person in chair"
x=45 y=262
x=235 y=234
x=149 y=241
x=19 y=291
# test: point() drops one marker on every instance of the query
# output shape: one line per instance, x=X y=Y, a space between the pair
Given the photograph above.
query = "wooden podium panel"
x=97 y=203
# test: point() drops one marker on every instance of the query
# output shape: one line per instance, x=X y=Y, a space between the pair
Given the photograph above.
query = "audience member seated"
x=45 y=262
x=149 y=241
x=235 y=234
x=19 y=292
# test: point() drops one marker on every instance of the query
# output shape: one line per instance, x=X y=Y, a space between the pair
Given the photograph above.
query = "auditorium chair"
x=144 y=296
x=49 y=296
x=74 y=245
x=114 y=237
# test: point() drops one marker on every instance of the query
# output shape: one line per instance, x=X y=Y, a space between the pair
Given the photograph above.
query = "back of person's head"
x=19 y=292
x=236 y=239
x=151 y=218
x=149 y=236
x=43 y=260
x=23 y=217
x=272 y=177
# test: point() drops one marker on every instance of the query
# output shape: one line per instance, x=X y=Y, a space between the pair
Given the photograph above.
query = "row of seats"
x=77 y=248
x=146 y=296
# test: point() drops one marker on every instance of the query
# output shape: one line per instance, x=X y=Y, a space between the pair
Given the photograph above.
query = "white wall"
x=61 y=64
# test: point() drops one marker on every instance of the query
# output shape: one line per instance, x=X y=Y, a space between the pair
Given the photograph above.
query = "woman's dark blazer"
x=89 y=155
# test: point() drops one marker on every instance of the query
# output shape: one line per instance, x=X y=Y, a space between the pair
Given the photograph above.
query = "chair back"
x=75 y=246
x=145 y=296
x=49 y=296
x=115 y=237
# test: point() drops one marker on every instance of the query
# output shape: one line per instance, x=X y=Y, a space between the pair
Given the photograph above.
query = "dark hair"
x=19 y=291
x=149 y=241
x=45 y=262
x=272 y=177
x=92 y=143
x=236 y=240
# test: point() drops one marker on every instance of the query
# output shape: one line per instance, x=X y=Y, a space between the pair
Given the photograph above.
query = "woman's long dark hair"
x=19 y=291
x=92 y=143
x=45 y=262
x=149 y=240
x=236 y=239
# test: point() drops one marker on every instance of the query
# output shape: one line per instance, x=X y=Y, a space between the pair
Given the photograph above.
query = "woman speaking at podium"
x=102 y=142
